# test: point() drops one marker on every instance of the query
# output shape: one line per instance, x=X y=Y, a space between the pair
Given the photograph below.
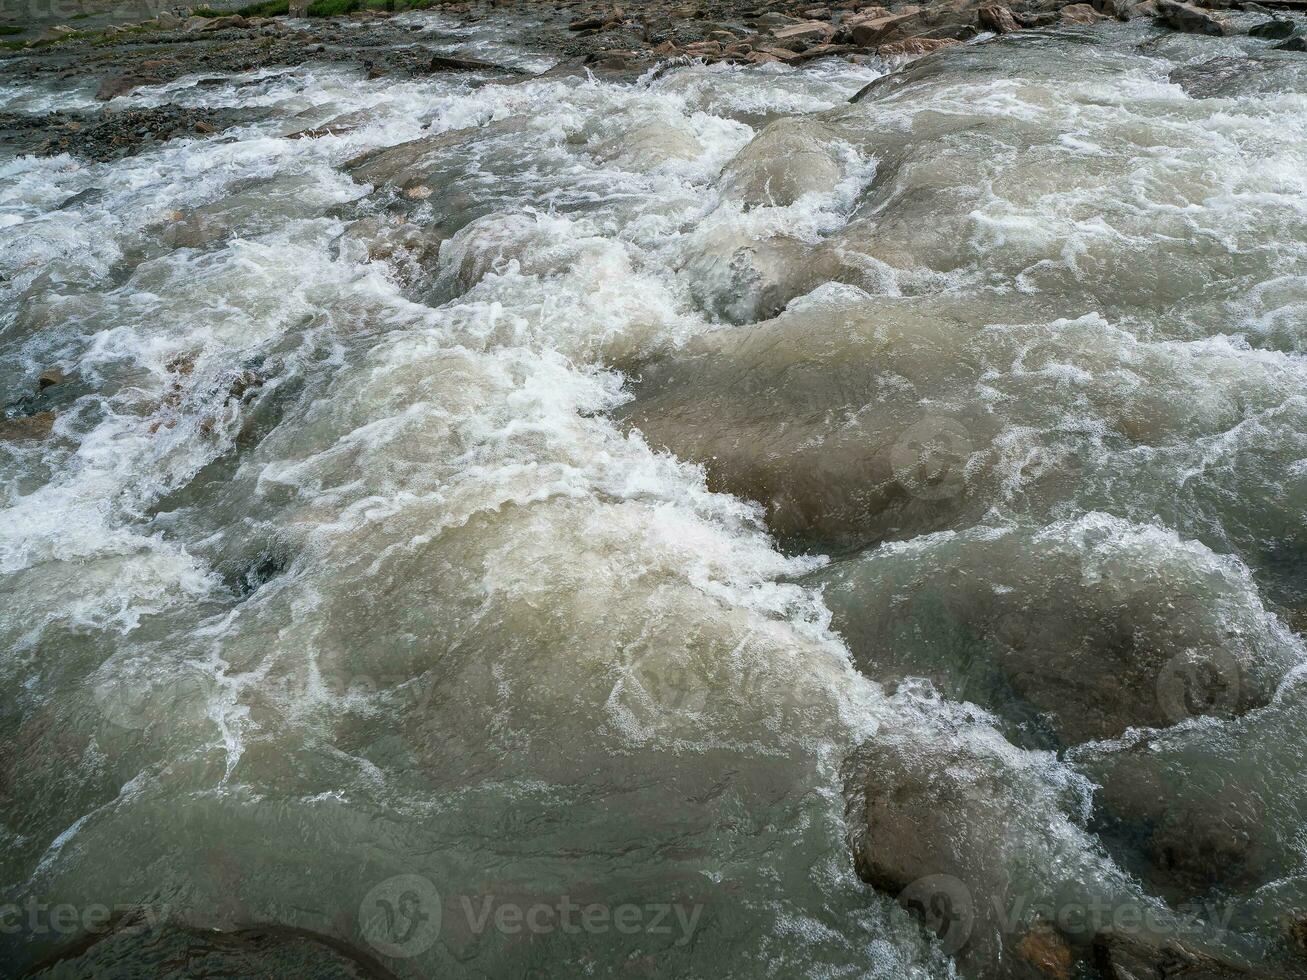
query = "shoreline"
x=582 y=35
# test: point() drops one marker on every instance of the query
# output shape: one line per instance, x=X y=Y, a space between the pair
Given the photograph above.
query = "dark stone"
x=1189 y=19
x=1273 y=30
x=117 y=85
x=1138 y=956
x=1298 y=43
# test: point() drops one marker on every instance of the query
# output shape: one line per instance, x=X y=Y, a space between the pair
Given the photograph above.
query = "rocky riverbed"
x=681 y=490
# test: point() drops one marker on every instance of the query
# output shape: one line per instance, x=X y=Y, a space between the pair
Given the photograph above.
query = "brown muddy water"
x=474 y=542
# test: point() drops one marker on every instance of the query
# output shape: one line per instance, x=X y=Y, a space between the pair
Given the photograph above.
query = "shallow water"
x=542 y=512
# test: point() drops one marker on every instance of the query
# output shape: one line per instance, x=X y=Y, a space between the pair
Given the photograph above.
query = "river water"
x=540 y=513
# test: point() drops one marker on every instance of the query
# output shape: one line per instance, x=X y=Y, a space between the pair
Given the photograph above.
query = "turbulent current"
x=514 y=528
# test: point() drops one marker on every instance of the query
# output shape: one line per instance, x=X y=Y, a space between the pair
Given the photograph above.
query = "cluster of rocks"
x=794 y=32
x=114 y=135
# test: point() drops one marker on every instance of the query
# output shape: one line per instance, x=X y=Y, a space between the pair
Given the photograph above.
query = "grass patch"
x=208 y=12
x=333 y=8
x=9 y=30
x=269 y=8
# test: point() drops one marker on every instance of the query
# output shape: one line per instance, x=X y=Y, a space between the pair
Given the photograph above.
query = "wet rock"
x=199 y=24
x=647 y=146
x=964 y=833
x=788 y=159
x=1080 y=631
x=1081 y=13
x=117 y=85
x=1276 y=29
x=1209 y=806
x=997 y=18
x=1298 y=43
x=813 y=31
x=1190 y=19
x=1131 y=955
x=441 y=62
x=29 y=427
x=411 y=250
x=914 y=46
x=1044 y=948
x=49 y=378
x=423 y=161
x=874 y=30
x=137 y=944
x=741 y=280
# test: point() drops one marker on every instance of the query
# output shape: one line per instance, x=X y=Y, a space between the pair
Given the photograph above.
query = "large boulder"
x=1081 y=630
x=997 y=18
x=1190 y=19
x=116 y=85
x=788 y=159
x=741 y=279
x=1212 y=804
x=1134 y=955
x=974 y=838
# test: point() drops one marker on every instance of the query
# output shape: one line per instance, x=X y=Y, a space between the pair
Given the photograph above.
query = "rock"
x=442 y=62
x=138 y=944
x=1081 y=13
x=38 y=426
x=1043 y=19
x=1189 y=19
x=867 y=33
x=49 y=378
x=1044 y=948
x=197 y=24
x=586 y=24
x=997 y=18
x=1108 y=650
x=813 y=30
x=412 y=251
x=168 y=21
x=965 y=833
x=1131 y=955
x=1298 y=43
x=742 y=280
x=1275 y=30
x=914 y=46
x=788 y=159
x=1144 y=8
x=771 y=21
x=116 y=85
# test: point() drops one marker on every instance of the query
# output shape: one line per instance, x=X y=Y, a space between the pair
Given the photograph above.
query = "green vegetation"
x=268 y=8
x=8 y=30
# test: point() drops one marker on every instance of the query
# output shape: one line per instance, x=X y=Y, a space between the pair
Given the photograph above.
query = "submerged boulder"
x=1082 y=630
x=974 y=838
x=788 y=159
x=1132 y=955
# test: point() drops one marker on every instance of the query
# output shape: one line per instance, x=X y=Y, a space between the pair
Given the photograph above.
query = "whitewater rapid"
x=517 y=489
